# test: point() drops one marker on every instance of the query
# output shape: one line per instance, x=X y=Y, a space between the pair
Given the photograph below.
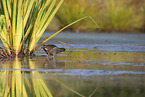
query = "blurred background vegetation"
x=111 y=16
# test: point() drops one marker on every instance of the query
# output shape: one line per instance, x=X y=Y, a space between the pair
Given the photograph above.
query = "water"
x=98 y=65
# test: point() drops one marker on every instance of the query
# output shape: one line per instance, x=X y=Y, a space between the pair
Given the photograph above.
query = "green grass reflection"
x=13 y=83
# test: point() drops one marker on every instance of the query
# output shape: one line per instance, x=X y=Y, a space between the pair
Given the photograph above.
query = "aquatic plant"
x=22 y=27
x=24 y=22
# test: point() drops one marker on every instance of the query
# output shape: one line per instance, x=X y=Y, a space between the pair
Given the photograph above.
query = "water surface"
x=98 y=65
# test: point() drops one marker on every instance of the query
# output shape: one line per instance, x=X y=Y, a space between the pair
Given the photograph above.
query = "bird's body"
x=51 y=49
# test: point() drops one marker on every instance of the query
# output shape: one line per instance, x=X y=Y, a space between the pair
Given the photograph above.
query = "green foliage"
x=111 y=15
x=0 y=11
x=120 y=16
x=73 y=10
x=24 y=21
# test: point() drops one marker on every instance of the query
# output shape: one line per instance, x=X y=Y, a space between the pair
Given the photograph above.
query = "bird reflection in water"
x=53 y=63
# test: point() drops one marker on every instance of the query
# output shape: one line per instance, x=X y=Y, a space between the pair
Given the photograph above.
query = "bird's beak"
x=65 y=51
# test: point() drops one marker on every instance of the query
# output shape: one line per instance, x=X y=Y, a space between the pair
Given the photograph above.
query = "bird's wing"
x=51 y=45
x=53 y=49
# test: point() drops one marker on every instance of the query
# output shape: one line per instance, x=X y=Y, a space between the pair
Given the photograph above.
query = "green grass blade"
x=3 y=82
x=5 y=43
x=3 y=32
x=41 y=14
x=24 y=91
x=5 y=9
x=33 y=42
x=58 y=32
x=41 y=89
x=19 y=29
x=39 y=85
x=93 y=92
x=17 y=73
x=13 y=85
x=25 y=6
x=9 y=7
x=45 y=17
x=26 y=34
x=69 y=88
x=14 y=18
x=43 y=20
x=29 y=8
x=50 y=18
x=45 y=88
x=62 y=42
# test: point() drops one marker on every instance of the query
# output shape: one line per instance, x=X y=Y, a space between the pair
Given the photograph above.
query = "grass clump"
x=23 y=22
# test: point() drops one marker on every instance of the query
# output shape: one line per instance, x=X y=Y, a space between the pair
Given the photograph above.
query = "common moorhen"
x=51 y=49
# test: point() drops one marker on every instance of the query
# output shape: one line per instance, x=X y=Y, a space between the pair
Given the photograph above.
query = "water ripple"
x=77 y=72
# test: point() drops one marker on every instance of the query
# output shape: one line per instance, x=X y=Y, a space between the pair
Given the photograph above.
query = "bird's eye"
x=46 y=49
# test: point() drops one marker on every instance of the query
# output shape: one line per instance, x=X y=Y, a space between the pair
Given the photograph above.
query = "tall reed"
x=24 y=22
